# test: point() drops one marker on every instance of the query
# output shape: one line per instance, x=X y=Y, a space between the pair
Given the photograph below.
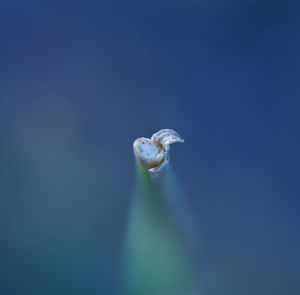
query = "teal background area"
x=80 y=80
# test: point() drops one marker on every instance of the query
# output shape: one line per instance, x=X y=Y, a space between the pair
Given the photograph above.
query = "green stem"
x=157 y=261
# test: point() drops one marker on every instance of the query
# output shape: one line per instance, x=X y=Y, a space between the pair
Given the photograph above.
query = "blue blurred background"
x=80 y=80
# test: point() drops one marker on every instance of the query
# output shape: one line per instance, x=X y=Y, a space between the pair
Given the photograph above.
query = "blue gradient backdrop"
x=80 y=80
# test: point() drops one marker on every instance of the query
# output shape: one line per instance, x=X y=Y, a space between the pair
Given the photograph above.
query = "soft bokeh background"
x=80 y=80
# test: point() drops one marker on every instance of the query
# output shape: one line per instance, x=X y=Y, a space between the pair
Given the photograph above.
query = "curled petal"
x=153 y=153
x=166 y=137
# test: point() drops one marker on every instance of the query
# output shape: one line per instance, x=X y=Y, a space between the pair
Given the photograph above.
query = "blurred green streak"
x=157 y=261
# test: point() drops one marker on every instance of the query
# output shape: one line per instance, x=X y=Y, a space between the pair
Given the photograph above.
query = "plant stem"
x=157 y=261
